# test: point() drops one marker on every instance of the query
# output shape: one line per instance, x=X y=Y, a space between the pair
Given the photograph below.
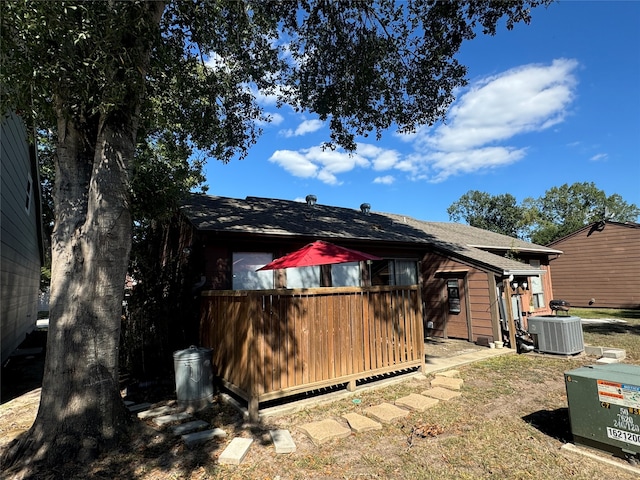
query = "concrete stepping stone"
x=282 y=441
x=140 y=407
x=607 y=361
x=360 y=423
x=449 y=374
x=325 y=430
x=172 y=418
x=193 y=439
x=595 y=351
x=189 y=427
x=447 y=382
x=156 y=412
x=416 y=402
x=386 y=413
x=441 y=393
x=616 y=353
x=235 y=451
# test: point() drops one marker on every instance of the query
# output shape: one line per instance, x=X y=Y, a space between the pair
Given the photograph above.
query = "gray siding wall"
x=19 y=246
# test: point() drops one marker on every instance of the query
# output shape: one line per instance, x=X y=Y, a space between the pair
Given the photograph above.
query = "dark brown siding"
x=435 y=270
x=479 y=305
x=599 y=267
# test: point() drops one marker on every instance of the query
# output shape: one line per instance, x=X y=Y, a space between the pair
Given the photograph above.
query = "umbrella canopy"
x=318 y=253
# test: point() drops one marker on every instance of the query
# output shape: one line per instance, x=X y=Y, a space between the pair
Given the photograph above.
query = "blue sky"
x=553 y=102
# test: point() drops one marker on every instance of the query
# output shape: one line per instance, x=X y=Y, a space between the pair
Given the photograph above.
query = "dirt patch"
x=448 y=347
x=17 y=416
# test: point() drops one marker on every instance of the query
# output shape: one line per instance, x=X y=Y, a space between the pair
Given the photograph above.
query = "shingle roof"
x=268 y=216
x=273 y=217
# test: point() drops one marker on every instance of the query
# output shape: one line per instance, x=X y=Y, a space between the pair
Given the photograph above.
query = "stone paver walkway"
x=444 y=387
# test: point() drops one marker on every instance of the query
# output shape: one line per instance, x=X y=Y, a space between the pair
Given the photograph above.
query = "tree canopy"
x=559 y=212
x=125 y=83
x=496 y=213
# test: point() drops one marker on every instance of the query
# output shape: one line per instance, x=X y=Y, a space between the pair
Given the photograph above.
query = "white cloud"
x=386 y=180
x=307 y=126
x=295 y=163
x=217 y=63
x=599 y=157
x=270 y=119
x=480 y=125
x=316 y=162
x=447 y=164
x=525 y=99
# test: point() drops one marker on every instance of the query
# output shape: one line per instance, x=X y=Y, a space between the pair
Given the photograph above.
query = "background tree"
x=566 y=209
x=559 y=212
x=496 y=213
x=163 y=173
x=104 y=74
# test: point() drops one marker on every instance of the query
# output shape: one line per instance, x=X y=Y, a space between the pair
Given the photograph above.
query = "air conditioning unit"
x=557 y=334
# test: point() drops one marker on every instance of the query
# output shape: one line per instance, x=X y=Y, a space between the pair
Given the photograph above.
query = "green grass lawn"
x=621 y=314
x=624 y=334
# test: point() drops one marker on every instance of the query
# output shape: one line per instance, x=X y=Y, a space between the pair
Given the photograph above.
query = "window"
x=394 y=272
x=346 y=274
x=303 y=277
x=406 y=272
x=453 y=294
x=244 y=272
x=382 y=272
x=537 y=292
x=342 y=275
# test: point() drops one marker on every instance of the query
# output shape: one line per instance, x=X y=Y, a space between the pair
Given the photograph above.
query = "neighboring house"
x=600 y=266
x=21 y=250
x=468 y=283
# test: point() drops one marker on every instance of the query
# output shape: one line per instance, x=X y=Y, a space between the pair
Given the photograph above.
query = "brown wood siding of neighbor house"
x=274 y=343
x=599 y=267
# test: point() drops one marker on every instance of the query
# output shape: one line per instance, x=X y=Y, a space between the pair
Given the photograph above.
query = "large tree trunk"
x=80 y=408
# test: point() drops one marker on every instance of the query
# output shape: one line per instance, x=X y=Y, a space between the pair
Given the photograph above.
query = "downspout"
x=512 y=324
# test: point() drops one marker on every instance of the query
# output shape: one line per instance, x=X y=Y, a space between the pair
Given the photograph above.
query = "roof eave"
x=524 y=272
x=548 y=251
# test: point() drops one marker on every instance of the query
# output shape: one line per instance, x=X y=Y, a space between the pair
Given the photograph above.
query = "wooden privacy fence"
x=270 y=344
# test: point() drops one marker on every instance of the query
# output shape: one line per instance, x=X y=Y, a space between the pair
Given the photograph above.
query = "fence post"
x=253 y=402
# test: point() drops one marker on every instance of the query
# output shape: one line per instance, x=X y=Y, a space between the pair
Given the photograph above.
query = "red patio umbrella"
x=318 y=253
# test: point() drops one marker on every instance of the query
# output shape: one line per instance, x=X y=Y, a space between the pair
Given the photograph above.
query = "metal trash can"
x=194 y=378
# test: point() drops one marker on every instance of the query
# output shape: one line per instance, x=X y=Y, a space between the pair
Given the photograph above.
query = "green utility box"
x=604 y=407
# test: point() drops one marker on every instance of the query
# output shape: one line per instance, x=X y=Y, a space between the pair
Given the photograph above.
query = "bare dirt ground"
x=22 y=377
x=509 y=423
